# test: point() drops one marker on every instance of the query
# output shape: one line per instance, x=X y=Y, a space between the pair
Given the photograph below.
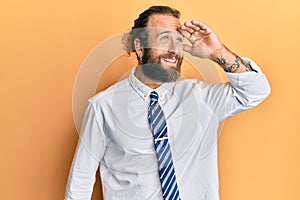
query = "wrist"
x=218 y=53
x=228 y=60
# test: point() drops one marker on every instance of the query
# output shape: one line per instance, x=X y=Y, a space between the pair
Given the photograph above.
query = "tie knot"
x=154 y=96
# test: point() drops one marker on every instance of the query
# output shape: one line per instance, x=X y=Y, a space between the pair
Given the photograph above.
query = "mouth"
x=170 y=60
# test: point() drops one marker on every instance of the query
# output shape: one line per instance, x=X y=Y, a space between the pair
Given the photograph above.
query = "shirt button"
x=161 y=97
x=145 y=95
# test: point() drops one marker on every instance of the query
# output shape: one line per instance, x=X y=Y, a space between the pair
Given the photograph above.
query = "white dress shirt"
x=115 y=136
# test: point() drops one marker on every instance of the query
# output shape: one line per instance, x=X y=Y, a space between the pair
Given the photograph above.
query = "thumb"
x=187 y=48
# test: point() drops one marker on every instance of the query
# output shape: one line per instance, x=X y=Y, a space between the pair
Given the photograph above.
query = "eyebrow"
x=171 y=32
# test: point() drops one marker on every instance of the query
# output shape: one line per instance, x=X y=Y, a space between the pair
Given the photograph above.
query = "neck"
x=144 y=79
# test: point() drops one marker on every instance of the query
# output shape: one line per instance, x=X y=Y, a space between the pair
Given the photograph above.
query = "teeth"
x=170 y=60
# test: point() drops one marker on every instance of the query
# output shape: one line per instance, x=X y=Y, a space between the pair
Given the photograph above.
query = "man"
x=152 y=135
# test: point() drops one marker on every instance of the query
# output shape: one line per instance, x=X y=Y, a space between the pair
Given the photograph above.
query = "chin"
x=172 y=68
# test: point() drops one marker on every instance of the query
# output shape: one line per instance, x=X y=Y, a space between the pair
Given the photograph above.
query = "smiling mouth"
x=170 y=59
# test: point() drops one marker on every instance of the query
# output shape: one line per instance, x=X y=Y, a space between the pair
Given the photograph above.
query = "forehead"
x=164 y=21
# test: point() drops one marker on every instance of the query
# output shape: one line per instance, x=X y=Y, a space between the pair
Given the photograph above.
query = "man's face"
x=163 y=57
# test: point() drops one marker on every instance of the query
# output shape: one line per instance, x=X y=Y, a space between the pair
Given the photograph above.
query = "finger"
x=189 y=24
x=187 y=48
x=186 y=34
x=191 y=27
x=187 y=29
x=199 y=24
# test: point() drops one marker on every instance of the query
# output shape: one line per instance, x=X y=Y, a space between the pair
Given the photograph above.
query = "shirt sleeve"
x=89 y=152
x=245 y=90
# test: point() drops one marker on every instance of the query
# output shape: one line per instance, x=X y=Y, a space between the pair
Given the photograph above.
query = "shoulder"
x=105 y=96
x=190 y=84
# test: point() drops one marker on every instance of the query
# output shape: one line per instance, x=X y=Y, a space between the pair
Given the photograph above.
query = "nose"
x=175 y=46
x=172 y=47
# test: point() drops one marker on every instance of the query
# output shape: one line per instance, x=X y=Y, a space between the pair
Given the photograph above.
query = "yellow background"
x=43 y=43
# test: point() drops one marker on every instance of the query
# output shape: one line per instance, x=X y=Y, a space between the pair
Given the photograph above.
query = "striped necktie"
x=166 y=169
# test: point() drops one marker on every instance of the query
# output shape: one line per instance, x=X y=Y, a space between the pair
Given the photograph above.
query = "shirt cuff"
x=245 y=78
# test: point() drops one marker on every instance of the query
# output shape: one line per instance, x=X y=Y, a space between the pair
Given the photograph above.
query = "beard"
x=153 y=69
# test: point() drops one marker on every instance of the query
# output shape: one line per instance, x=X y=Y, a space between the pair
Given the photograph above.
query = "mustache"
x=171 y=55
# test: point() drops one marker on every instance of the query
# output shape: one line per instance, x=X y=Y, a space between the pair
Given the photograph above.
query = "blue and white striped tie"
x=166 y=169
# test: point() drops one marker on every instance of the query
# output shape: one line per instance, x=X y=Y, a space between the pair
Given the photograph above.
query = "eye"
x=179 y=40
x=164 y=38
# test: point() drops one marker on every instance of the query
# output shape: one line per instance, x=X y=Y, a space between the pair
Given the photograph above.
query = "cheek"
x=180 y=50
x=151 y=56
x=163 y=48
x=152 y=43
x=159 y=47
x=155 y=53
x=171 y=47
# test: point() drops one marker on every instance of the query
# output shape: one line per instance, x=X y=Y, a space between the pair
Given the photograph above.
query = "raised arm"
x=206 y=44
x=245 y=90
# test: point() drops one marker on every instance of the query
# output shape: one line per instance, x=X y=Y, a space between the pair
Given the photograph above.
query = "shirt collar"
x=164 y=91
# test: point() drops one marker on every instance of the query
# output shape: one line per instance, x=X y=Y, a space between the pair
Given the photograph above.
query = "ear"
x=138 y=47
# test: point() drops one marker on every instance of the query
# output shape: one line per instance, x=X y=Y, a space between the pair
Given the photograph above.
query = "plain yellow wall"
x=43 y=44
